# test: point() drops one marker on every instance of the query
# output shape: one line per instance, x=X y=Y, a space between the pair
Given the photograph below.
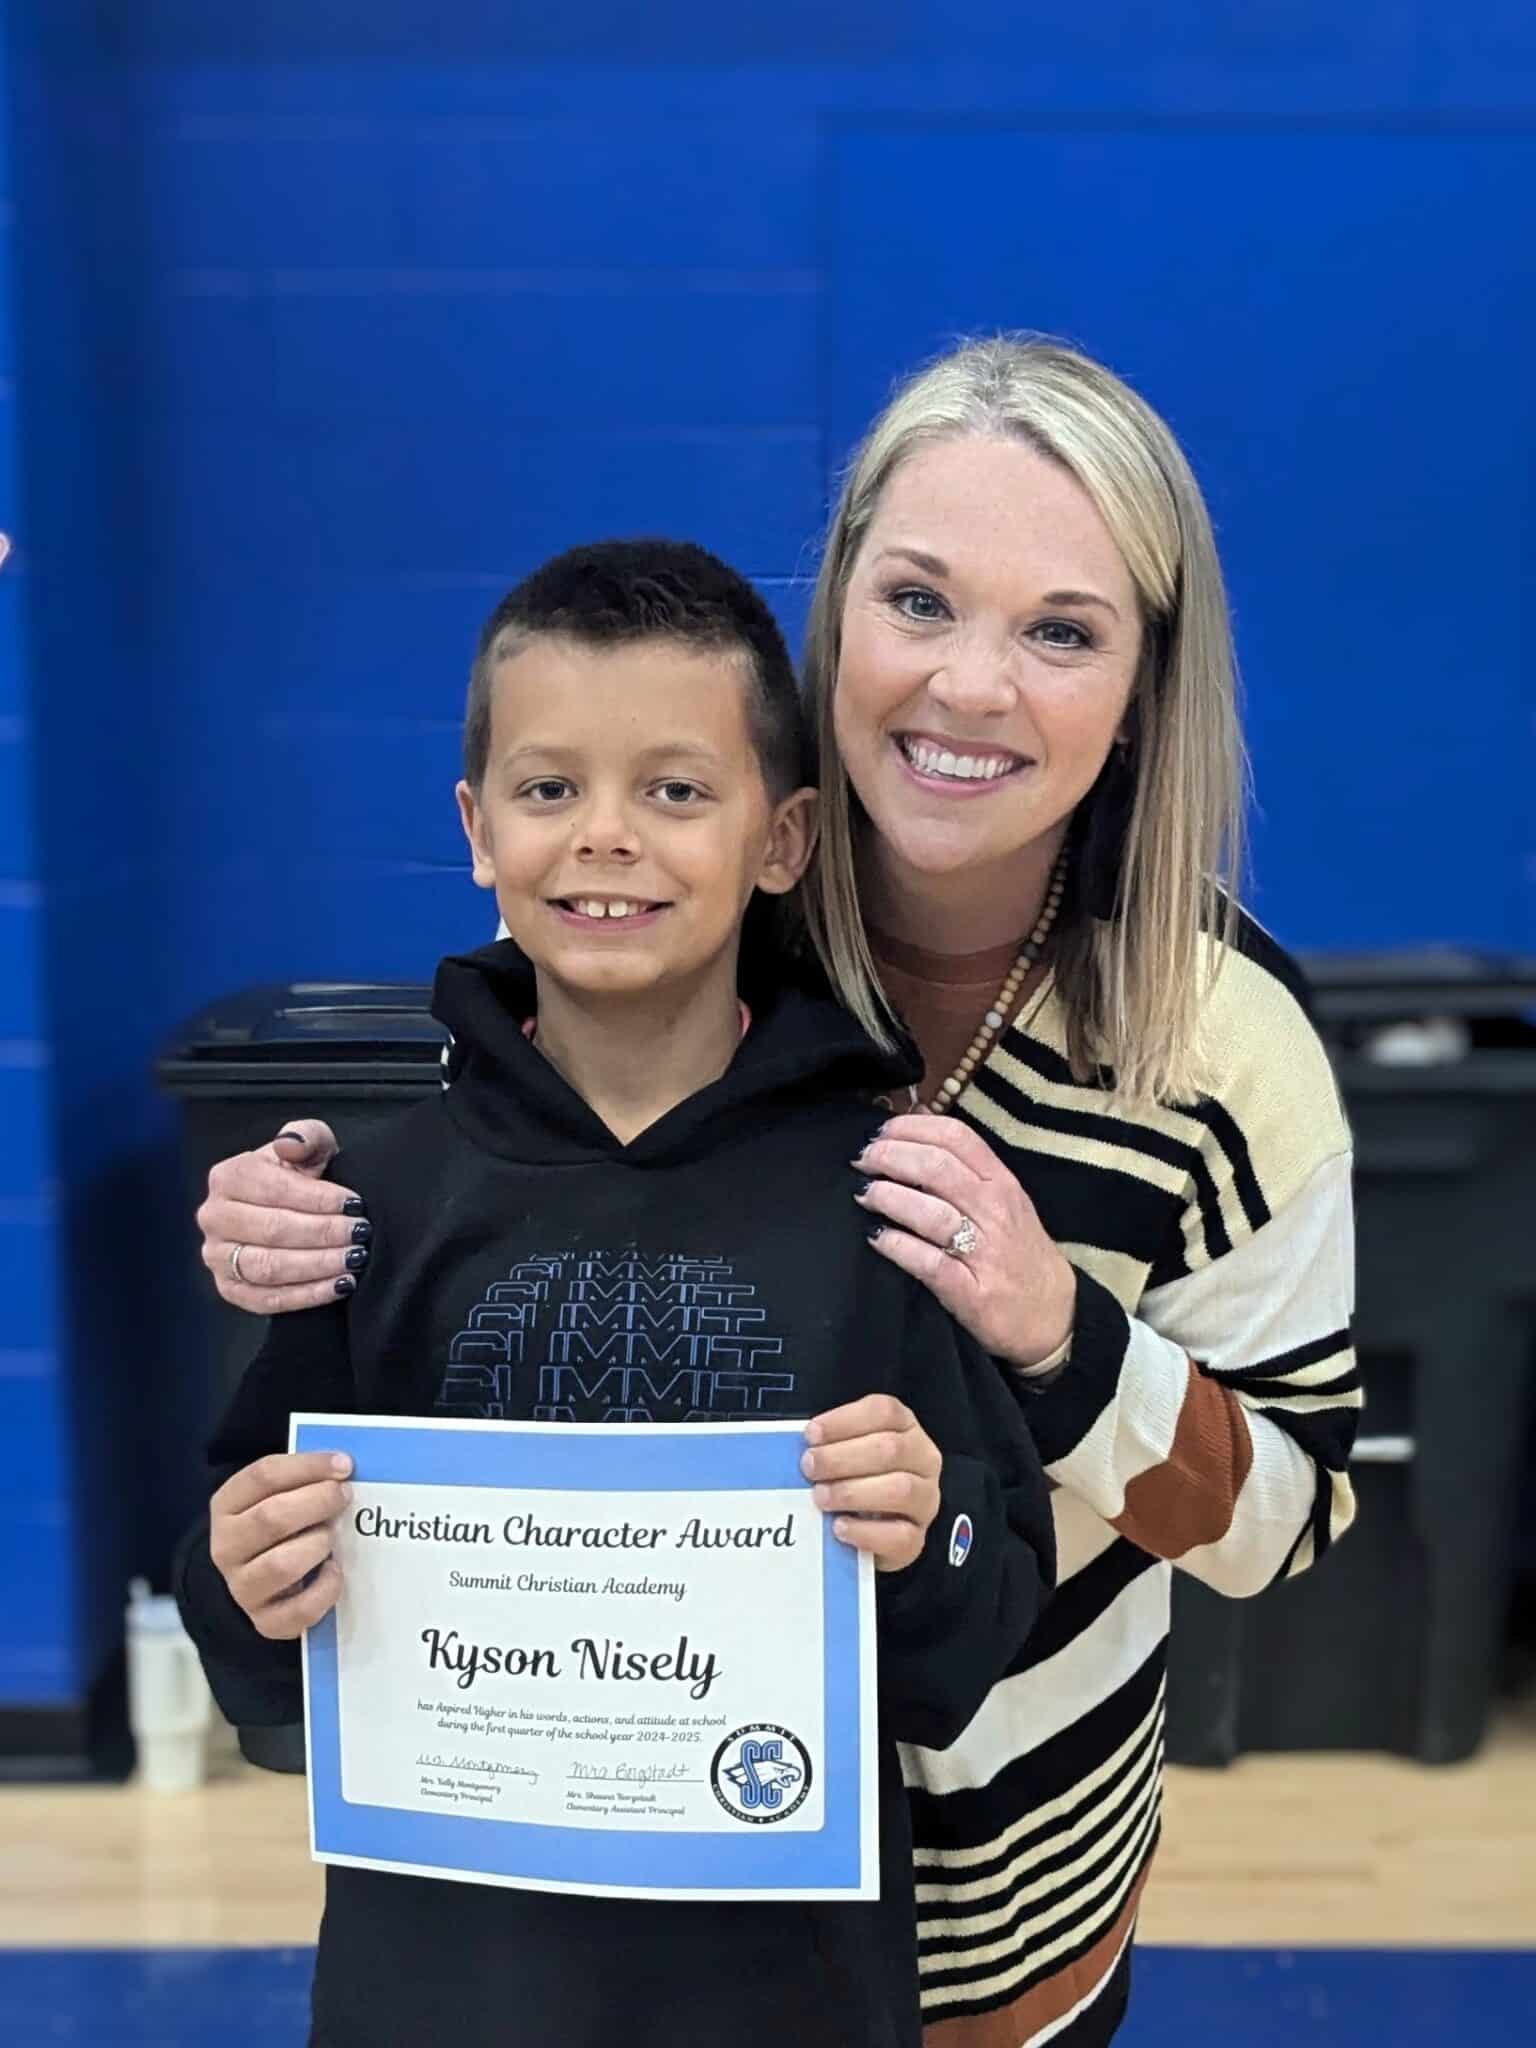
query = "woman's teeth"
x=959 y=767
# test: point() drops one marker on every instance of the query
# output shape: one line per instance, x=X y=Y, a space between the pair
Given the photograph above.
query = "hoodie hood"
x=802 y=1046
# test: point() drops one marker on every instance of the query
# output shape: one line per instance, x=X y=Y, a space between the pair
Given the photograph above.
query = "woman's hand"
x=928 y=1175
x=301 y=1241
x=269 y=1533
x=877 y=1470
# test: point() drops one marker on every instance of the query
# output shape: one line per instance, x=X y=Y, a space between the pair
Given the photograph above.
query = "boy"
x=647 y=1072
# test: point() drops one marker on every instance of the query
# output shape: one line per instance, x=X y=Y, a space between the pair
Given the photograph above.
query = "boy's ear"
x=791 y=841
x=482 y=866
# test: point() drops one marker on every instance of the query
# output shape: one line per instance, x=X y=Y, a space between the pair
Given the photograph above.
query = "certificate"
x=629 y=1660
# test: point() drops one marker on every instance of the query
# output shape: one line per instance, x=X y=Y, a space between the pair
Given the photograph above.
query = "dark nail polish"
x=354 y=1205
x=862 y=1190
x=876 y=1234
x=361 y=1232
x=291 y=1138
x=346 y=1284
x=356 y=1260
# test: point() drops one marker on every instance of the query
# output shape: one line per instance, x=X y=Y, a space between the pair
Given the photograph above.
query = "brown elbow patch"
x=1189 y=1499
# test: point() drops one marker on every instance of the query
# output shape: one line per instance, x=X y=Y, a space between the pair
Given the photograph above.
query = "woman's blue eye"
x=1063 y=633
x=918 y=604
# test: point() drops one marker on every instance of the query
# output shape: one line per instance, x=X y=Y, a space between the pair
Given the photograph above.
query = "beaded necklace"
x=1003 y=1004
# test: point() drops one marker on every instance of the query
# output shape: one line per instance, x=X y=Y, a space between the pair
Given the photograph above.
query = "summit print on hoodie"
x=613 y=1336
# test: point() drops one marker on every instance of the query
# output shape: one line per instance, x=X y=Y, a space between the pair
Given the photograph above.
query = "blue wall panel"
x=376 y=188
x=693 y=194
x=754 y=493
x=40 y=1650
x=1339 y=327
x=423 y=310
x=28 y=1253
x=21 y=925
x=281 y=514
x=328 y=322
x=251 y=193
x=39 y=1647
x=15 y=796
x=608 y=349
x=13 y=697
x=27 y=1156
x=79 y=878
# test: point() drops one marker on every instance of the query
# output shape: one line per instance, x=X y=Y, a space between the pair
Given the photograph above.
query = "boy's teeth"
x=960 y=767
x=590 y=907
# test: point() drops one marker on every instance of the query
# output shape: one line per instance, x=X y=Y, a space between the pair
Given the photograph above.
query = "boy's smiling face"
x=623 y=821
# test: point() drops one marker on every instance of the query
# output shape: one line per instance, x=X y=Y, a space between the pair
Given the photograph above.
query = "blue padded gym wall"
x=333 y=319
x=79 y=885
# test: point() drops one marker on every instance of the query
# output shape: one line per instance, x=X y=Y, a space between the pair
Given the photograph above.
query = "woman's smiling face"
x=990 y=639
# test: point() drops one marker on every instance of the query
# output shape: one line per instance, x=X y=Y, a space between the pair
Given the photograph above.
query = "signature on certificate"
x=478 y=1765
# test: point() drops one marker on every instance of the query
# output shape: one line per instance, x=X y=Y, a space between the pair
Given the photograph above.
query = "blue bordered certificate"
x=624 y=1660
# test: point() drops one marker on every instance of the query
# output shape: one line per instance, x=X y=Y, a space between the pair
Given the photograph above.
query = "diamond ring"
x=964 y=1241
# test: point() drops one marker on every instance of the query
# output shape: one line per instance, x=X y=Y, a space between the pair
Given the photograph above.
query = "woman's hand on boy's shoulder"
x=876 y=1469
x=275 y=1235
x=950 y=1213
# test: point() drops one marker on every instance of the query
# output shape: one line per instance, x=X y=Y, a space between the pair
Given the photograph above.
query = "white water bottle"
x=169 y=1706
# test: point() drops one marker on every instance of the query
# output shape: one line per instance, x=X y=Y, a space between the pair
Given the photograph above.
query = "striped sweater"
x=1204 y=1419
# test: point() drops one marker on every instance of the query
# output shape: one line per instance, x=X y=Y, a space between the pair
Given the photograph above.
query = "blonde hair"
x=1131 y=982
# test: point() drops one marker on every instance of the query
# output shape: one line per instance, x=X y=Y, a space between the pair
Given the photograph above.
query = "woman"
x=1126 y=1170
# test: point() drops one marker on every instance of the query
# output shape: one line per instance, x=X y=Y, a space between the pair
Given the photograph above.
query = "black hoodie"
x=716 y=1267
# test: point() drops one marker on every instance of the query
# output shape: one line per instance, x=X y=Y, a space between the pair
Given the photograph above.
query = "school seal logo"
x=761 y=1773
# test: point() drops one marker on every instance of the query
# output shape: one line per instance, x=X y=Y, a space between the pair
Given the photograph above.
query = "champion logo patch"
x=960 y=1540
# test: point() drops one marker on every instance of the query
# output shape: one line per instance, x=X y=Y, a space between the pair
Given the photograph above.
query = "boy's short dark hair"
x=613 y=592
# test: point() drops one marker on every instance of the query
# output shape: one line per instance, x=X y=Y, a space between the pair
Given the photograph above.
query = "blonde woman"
x=1126 y=1169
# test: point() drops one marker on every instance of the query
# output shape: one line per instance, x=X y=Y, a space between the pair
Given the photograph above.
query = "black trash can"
x=1393 y=1641
x=353 y=1053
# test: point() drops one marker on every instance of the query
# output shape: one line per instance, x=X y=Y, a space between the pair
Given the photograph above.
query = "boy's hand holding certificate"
x=630 y=1661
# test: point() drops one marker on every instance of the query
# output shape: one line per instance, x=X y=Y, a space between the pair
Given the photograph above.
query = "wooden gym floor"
x=1274 y=1856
